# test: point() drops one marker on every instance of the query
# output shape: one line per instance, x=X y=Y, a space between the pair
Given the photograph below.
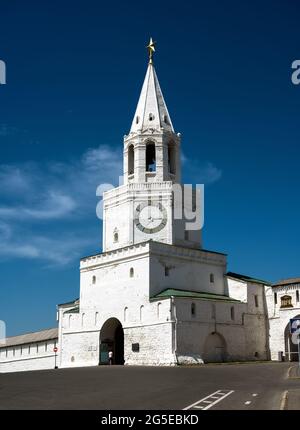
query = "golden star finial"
x=151 y=50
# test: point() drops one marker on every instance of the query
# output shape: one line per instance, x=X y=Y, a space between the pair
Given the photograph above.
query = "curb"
x=284 y=401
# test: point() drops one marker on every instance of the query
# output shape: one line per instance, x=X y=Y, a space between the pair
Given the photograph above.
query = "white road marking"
x=247 y=403
x=254 y=395
x=219 y=395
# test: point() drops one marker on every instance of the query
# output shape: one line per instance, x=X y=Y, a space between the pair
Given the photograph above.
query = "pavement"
x=248 y=386
x=292 y=396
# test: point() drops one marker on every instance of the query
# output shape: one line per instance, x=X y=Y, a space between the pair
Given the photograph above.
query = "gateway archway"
x=214 y=348
x=112 y=339
x=290 y=346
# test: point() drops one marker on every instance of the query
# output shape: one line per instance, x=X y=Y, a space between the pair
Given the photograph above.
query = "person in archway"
x=110 y=357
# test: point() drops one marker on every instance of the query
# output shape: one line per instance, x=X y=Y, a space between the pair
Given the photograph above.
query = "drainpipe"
x=174 y=317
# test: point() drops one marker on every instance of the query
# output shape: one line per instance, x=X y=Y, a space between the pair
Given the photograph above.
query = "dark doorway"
x=111 y=339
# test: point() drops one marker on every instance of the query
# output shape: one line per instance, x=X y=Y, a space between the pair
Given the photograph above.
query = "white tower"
x=143 y=208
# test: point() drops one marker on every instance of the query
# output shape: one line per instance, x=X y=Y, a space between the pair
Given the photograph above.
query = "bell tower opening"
x=150 y=157
x=171 y=159
x=131 y=160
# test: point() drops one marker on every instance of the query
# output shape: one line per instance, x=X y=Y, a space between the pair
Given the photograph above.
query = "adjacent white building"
x=155 y=296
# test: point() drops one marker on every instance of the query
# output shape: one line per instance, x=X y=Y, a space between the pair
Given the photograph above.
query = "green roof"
x=73 y=311
x=191 y=294
x=247 y=278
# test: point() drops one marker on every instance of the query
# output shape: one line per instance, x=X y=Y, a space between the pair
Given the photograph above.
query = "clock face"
x=150 y=217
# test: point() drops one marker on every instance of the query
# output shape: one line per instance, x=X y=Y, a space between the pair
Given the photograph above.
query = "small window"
x=137 y=120
x=211 y=278
x=14 y=352
x=297 y=296
x=21 y=351
x=256 y=301
x=94 y=279
x=82 y=320
x=186 y=235
x=131 y=272
x=286 y=302
x=125 y=314
x=158 y=310
x=166 y=119
x=275 y=298
x=116 y=237
x=29 y=349
x=193 y=309
x=151 y=117
x=141 y=313
x=232 y=313
x=167 y=271
x=46 y=347
x=213 y=311
x=256 y=354
x=37 y=348
x=96 y=318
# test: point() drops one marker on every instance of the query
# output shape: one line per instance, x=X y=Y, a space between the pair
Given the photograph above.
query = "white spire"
x=151 y=111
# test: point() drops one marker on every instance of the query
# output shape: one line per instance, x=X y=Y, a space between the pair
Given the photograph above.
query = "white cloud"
x=33 y=196
x=201 y=173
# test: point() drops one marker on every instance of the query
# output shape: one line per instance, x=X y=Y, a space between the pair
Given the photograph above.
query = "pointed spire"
x=151 y=111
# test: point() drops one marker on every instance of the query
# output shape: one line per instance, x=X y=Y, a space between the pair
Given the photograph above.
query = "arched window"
x=275 y=298
x=96 y=317
x=150 y=158
x=125 y=314
x=131 y=160
x=286 y=302
x=232 y=313
x=70 y=321
x=116 y=236
x=193 y=309
x=166 y=121
x=171 y=158
x=297 y=296
x=256 y=301
x=167 y=271
x=158 y=310
x=151 y=117
x=211 y=278
x=82 y=320
x=131 y=272
x=141 y=313
x=94 y=279
x=137 y=119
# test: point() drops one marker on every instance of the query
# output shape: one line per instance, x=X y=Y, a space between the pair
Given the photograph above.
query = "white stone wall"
x=188 y=270
x=279 y=318
x=36 y=356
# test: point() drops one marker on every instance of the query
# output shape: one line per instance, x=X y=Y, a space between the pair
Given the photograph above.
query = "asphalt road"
x=224 y=386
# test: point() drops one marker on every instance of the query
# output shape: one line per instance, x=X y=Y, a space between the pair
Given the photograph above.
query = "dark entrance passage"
x=112 y=339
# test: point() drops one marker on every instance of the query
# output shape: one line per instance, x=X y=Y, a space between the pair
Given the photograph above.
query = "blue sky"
x=74 y=73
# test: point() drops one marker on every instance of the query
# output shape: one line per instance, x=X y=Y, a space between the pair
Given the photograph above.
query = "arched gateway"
x=111 y=339
x=291 y=343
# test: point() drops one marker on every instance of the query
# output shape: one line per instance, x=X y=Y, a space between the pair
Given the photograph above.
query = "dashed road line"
x=248 y=402
x=210 y=400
